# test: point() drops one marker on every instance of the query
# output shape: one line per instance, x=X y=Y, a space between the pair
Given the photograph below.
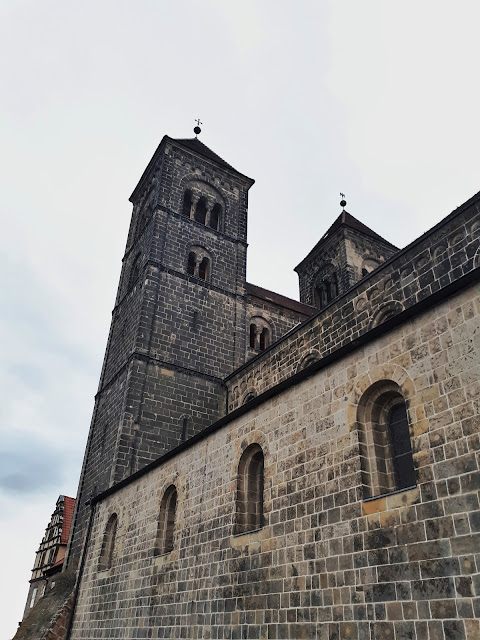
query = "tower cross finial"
x=343 y=202
x=197 y=129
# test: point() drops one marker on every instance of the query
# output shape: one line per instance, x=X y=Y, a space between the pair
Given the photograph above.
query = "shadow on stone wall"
x=48 y=620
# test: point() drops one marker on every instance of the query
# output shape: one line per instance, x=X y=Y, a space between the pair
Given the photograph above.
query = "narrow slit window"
x=184 y=435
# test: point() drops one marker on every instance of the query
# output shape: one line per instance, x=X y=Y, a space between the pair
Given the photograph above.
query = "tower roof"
x=346 y=219
x=194 y=145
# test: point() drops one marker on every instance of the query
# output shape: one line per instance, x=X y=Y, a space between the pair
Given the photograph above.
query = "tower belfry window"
x=201 y=211
x=253 y=336
x=325 y=291
x=187 y=203
x=203 y=269
x=215 y=216
x=259 y=333
x=192 y=263
x=264 y=339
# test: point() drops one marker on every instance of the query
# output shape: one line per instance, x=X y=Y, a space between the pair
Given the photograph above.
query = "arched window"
x=192 y=263
x=250 y=396
x=215 y=216
x=325 y=291
x=187 y=203
x=369 y=265
x=108 y=545
x=166 y=522
x=201 y=211
x=259 y=333
x=386 y=311
x=384 y=437
x=203 y=269
x=264 y=339
x=134 y=272
x=250 y=490
x=199 y=262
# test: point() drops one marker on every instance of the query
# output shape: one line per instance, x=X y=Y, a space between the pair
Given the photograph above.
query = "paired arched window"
x=108 y=545
x=166 y=522
x=203 y=203
x=259 y=334
x=199 y=263
x=325 y=291
x=385 y=444
x=250 y=490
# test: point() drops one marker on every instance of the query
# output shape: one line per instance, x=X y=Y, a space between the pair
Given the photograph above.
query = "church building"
x=259 y=467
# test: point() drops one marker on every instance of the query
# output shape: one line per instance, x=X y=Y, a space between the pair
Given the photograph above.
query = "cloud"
x=29 y=465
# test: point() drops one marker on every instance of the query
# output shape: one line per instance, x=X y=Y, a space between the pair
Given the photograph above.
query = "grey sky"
x=377 y=99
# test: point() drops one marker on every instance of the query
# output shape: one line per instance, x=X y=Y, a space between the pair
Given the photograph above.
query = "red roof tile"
x=276 y=298
x=68 y=507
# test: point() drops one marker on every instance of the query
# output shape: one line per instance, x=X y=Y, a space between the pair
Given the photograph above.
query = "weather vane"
x=343 y=202
x=197 y=129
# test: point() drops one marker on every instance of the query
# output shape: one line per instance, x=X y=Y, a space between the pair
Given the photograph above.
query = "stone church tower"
x=178 y=326
x=345 y=254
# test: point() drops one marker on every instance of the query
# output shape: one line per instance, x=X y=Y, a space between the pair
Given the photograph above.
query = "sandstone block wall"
x=327 y=565
x=427 y=267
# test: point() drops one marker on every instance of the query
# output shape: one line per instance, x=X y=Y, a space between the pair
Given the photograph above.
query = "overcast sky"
x=377 y=99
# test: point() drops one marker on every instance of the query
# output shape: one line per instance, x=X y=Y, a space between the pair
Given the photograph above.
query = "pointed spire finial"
x=197 y=129
x=343 y=202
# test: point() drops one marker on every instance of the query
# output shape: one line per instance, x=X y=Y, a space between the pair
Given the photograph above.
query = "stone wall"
x=280 y=319
x=413 y=276
x=326 y=564
x=341 y=253
x=174 y=336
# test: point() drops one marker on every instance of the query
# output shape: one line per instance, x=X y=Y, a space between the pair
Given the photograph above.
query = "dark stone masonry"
x=259 y=467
